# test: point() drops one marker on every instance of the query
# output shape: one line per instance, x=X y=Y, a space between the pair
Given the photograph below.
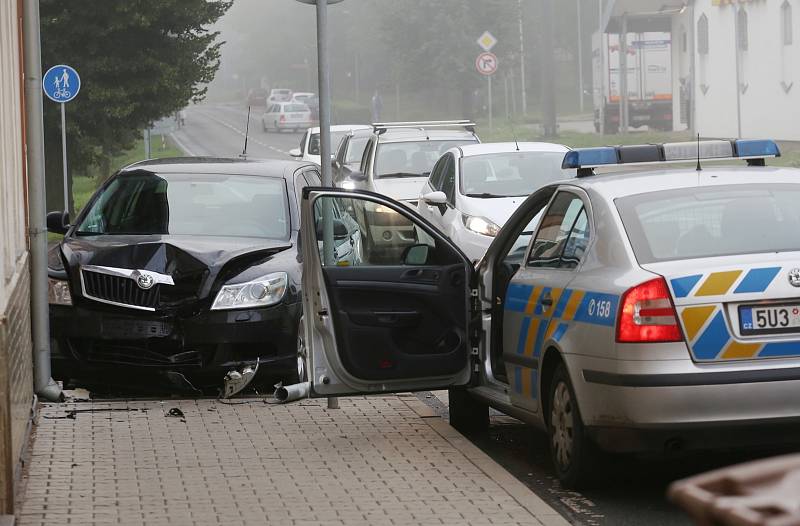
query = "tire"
x=574 y=456
x=467 y=414
x=300 y=372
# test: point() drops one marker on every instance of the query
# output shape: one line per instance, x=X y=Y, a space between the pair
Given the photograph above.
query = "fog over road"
x=219 y=131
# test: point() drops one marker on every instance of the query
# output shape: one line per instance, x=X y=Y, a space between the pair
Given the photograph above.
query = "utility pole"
x=325 y=136
x=601 y=51
x=522 y=60
x=580 y=54
x=548 y=67
x=43 y=383
x=623 y=76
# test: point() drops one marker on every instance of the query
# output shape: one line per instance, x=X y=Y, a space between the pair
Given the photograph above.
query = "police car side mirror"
x=357 y=176
x=295 y=152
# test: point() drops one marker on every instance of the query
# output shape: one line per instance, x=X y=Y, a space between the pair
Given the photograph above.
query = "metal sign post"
x=486 y=64
x=61 y=84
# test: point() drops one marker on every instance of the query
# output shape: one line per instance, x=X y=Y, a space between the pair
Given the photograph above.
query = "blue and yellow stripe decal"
x=542 y=323
x=723 y=283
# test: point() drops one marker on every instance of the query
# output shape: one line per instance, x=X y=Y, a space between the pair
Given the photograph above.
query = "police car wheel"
x=467 y=414
x=570 y=449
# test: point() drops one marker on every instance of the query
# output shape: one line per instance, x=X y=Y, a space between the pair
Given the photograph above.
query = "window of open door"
x=395 y=315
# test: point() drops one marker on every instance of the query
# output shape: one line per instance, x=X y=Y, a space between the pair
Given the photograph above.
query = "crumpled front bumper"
x=120 y=345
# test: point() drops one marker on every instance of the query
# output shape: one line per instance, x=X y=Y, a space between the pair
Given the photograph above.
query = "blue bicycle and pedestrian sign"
x=61 y=83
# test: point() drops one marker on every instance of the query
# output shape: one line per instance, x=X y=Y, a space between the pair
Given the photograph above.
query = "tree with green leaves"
x=139 y=61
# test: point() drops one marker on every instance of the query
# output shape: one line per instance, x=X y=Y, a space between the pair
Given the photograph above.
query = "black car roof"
x=220 y=165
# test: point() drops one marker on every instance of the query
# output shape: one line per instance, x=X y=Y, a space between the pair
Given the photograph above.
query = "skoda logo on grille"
x=145 y=281
x=794 y=277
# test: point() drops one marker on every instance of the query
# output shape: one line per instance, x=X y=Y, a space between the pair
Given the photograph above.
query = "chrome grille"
x=118 y=290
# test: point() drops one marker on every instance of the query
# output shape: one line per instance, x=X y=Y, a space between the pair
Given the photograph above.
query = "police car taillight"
x=648 y=315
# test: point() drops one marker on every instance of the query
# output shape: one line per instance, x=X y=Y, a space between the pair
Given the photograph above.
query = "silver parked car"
x=646 y=311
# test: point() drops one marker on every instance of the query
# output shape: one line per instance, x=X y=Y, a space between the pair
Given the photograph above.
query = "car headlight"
x=348 y=185
x=262 y=292
x=58 y=292
x=480 y=225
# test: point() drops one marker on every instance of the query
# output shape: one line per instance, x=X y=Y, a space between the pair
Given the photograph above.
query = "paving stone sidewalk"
x=374 y=461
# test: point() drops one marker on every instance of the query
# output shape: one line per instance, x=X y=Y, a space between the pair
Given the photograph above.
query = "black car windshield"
x=717 y=221
x=510 y=173
x=411 y=159
x=141 y=203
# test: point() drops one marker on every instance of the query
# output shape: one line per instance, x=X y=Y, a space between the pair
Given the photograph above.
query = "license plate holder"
x=781 y=318
x=135 y=329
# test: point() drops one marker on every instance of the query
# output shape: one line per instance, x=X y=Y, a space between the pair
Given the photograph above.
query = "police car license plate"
x=772 y=319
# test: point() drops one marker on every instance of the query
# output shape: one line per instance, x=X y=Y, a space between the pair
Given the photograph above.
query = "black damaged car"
x=186 y=268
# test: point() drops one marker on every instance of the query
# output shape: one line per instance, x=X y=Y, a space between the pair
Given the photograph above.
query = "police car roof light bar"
x=586 y=159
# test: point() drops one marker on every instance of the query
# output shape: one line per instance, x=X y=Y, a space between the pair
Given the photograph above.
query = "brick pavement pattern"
x=375 y=461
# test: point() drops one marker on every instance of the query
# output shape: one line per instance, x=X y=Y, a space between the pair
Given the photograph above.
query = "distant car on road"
x=309 y=149
x=474 y=189
x=286 y=115
x=348 y=156
x=257 y=97
x=279 y=95
x=187 y=268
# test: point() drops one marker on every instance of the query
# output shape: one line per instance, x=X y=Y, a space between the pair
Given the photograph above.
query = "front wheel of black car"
x=300 y=372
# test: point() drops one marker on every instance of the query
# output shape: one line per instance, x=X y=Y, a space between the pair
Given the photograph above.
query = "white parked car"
x=474 y=189
x=309 y=149
x=286 y=115
x=279 y=95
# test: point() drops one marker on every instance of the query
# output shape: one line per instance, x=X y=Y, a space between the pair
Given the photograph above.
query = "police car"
x=646 y=311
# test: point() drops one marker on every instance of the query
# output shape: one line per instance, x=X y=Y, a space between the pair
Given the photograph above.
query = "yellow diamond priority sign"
x=487 y=41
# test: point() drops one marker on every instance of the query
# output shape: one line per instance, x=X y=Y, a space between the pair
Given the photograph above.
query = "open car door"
x=395 y=315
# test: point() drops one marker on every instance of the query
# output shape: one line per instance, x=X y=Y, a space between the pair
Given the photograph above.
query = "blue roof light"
x=757 y=148
x=587 y=157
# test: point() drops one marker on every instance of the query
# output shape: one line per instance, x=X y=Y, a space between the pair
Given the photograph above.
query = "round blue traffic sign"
x=61 y=83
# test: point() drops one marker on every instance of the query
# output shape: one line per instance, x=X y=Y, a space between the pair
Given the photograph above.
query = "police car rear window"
x=716 y=221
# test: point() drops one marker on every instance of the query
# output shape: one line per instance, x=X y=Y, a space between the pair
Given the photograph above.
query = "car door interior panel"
x=398 y=321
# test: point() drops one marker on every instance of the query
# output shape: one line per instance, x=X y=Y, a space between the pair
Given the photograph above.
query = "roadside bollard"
x=333 y=402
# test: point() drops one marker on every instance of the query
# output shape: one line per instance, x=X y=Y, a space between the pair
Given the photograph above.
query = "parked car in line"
x=279 y=95
x=286 y=116
x=257 y=97
x=650 y=311
x=347 y=158
x=397 y=161
x=474 y=189
x=302 y=96
x=309 y=149
x=186 y=268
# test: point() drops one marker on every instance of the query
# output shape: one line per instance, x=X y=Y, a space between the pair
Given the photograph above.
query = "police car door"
x=396 y=317
x=538 y=302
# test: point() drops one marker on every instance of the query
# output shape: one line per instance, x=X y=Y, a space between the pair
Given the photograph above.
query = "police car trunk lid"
x=741 y=307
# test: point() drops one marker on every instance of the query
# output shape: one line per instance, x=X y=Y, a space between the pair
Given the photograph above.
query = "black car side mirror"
x=58 y=222
x=416 y=255
x=339 y=230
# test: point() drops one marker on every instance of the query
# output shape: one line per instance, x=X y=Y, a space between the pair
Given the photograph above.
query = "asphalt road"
x=630 y=492
x=219 y=131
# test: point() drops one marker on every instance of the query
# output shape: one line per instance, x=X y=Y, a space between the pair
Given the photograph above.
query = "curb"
x=526 y=498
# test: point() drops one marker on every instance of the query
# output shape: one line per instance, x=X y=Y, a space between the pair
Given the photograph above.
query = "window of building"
x=786 y=23
x=702 y=35
x=741 y=26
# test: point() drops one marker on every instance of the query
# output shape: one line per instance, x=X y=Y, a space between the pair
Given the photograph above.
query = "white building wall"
x=13 y=244
x=767 y=110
